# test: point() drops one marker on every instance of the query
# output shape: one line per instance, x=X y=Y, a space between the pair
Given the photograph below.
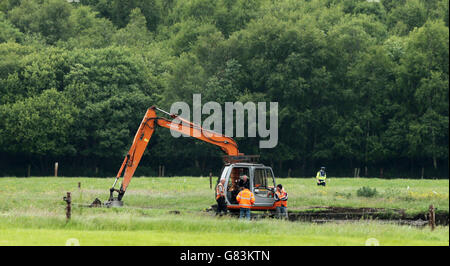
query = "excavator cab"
x=261 y=182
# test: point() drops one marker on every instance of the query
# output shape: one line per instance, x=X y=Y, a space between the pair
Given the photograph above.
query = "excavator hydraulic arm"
x=145 y=132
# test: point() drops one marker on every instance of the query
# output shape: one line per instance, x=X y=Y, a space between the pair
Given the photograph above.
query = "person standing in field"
x=321 y=177
x=220 y=198
x=281 y=197
x=246 y=199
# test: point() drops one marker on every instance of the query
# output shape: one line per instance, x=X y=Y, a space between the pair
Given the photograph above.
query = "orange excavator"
x=237 y=164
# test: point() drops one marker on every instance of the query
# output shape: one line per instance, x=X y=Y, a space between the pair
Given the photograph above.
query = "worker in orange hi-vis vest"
x=220 y=197
x=281 y=197
x=246 y=199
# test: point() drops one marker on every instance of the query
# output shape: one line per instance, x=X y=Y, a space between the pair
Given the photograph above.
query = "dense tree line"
x=360 y=84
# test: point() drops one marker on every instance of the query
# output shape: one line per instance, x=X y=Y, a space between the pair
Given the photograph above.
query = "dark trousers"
x=282 y=212
x=221 y=205
x=234 y=194
x=244 y=213
x=321 y=183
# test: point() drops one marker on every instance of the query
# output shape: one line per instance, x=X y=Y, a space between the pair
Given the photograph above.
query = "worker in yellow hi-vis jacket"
x=321 y=177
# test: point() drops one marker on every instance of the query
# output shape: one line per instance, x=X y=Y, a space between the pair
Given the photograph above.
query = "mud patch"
x=321 y=214
x=326 y=214
x=96 y=203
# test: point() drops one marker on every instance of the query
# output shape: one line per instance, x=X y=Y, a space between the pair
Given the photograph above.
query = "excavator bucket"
x=110 y=203
x=114 y=202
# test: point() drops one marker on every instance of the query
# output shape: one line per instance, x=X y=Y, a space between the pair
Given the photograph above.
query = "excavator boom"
x=144 y=134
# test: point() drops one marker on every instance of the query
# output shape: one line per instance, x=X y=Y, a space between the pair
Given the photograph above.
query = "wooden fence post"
x=431 y=218
x=56 y=169
x=210 y=180
x=81 y=196
x=68 y=200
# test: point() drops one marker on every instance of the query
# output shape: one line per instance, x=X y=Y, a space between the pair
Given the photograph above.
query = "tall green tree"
x=424 y=75
x=40 y=125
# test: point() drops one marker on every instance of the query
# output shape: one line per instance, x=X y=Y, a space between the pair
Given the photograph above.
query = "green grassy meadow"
x=32 y=212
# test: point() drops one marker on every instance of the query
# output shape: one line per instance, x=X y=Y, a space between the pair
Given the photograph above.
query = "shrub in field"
x=366 y=192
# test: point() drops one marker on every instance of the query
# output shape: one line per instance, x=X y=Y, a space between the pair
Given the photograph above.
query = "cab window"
x=263 y=183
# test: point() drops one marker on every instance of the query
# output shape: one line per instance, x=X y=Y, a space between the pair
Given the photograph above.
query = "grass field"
x=32 y=213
